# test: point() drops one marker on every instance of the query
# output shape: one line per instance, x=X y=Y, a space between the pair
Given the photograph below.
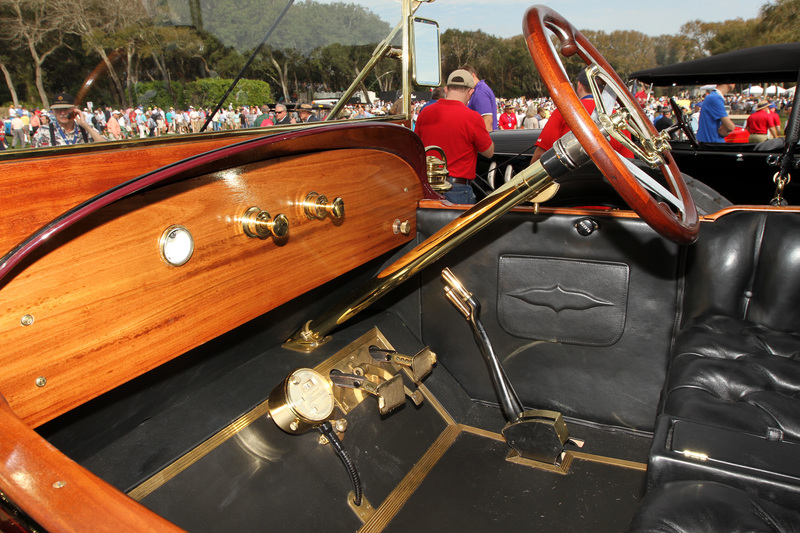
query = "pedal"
x=420 y=364
x=390 y=393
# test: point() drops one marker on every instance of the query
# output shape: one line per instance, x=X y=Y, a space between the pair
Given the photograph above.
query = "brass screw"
x=59 y=484
x=26 y=320
x=41 y=381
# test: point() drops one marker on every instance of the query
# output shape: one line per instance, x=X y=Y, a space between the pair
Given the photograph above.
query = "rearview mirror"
x=425 y=53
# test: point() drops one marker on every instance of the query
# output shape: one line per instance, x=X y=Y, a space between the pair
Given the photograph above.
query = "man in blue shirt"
x=483 y=100
x=714 y=123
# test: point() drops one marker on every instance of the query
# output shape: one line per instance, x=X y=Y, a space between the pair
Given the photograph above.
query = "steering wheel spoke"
x=617 y=111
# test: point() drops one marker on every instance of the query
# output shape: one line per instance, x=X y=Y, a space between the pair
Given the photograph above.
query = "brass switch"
x=256 y=223
x=317 y=207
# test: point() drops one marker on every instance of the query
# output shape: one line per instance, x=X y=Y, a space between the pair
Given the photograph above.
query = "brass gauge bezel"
x=288 y=403
x=164 y=243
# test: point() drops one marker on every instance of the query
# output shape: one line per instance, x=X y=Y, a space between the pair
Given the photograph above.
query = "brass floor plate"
x=561 y=468
x=365 y=511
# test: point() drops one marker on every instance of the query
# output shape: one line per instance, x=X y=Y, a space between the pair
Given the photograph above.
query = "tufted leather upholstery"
x=733 y=385
x=736 y=359
x=692 y=507
x=746 y=265
x=736 y=374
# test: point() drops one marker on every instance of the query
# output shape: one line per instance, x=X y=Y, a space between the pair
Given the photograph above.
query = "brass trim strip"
x=398 y=497
x=159 y=478
x=483 y=433
x=633 y=465
x=563 y=468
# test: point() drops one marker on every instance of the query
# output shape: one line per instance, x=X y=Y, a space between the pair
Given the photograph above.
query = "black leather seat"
x=693 y=507
x=736 y=374
x=730 y=406
x=736 y=357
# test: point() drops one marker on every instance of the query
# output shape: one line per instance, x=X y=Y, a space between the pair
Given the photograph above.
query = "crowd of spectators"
x=141 y=122
x=532 y=113
x=21 y=123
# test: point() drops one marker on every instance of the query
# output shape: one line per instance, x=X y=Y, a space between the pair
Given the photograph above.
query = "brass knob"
x=403 y=227
x=256 y=223
x=317 y=207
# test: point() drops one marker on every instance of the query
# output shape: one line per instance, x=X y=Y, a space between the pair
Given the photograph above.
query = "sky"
x=504 y=18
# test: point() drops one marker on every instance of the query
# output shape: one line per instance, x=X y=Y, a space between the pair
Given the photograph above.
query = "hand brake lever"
x=462 y=299
x=538 y=435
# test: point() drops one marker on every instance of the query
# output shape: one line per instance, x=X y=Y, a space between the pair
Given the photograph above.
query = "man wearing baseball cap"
x=70 y=127
x=460 y=132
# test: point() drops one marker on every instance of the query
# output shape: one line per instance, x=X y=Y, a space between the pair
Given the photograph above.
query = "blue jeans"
x=461 y=193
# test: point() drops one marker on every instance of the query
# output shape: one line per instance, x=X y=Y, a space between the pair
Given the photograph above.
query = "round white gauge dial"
x=309 y=394
x=176 y=245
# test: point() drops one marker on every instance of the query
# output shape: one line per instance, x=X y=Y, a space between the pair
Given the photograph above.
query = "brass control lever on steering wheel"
x=539 y=435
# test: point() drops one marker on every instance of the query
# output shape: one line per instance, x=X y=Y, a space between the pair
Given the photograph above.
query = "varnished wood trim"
x=753 y=208
x=615 y=213
x=398 y=497
x=187 y=460
x=59 y=494
x=108 y=309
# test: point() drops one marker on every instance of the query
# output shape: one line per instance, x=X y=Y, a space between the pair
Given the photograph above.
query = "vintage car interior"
x=295 y=332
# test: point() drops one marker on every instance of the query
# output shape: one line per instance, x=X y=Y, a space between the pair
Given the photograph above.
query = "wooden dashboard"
x=94 y=304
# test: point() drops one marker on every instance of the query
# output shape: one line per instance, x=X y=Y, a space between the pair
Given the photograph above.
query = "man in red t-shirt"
x=557 y=127
x=508 y=120
x=759 y=123
x=460 y=132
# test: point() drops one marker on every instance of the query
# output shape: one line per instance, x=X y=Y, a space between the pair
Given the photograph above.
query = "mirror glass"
x=426 y=53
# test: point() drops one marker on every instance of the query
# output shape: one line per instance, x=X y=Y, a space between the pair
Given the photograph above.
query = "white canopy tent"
x=753 y=90
x=774 y=89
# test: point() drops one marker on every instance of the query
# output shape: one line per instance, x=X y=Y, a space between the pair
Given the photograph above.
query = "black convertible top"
x=768 y=63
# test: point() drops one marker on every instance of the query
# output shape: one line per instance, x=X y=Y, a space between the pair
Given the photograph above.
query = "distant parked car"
x=741 y=171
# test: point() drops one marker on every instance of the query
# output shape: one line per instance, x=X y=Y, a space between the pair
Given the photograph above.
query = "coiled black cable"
x=327 y=430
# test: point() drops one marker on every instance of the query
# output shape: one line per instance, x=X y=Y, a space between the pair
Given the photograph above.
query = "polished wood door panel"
x=107 y=308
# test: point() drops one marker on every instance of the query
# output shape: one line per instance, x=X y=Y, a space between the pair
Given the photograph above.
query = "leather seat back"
x=746 y=265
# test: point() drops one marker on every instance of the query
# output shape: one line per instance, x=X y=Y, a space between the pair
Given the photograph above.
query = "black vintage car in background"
x=718 y=174
x=741 y=172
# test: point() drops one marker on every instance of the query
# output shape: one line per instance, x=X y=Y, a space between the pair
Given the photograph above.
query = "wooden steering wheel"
x=680 y=225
